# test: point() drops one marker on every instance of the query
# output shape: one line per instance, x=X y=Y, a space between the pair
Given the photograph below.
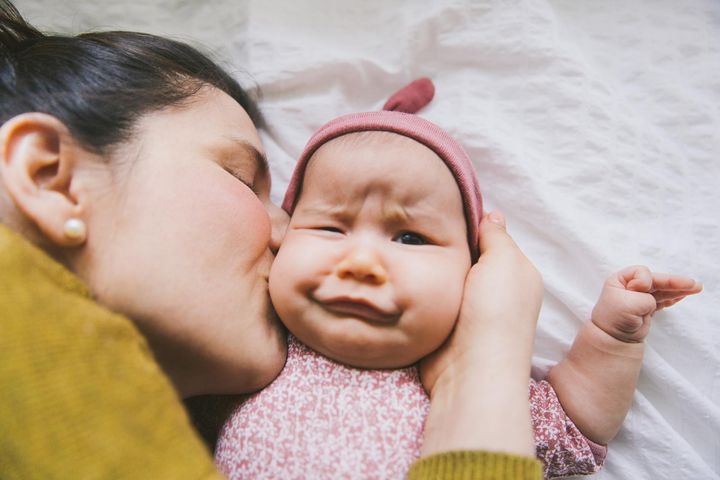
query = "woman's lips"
x=359 y=308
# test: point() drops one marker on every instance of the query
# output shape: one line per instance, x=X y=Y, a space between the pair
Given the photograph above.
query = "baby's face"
x=372 y=268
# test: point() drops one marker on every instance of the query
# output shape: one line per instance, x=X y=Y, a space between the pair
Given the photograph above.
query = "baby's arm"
x=595 y=382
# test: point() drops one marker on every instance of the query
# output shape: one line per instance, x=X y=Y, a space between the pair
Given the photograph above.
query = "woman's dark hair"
x=99 y=84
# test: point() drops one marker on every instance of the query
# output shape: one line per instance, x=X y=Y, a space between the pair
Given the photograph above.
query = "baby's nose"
x=362 y=265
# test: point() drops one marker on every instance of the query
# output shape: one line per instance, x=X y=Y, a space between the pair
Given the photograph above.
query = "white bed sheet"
x=595 y=126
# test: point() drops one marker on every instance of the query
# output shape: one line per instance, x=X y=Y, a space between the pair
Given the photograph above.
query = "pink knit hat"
x=398 y=117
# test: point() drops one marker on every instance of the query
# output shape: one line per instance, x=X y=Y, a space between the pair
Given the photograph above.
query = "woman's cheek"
x=252 y=217
x=237 y=213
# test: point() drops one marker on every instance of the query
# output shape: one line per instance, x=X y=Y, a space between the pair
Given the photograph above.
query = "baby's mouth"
x=363 y=309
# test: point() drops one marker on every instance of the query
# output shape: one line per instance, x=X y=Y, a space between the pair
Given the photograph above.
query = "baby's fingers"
x=666 y=298
x=668 y=303
x=675 y=283
x=669 y=294
x=665 y=295
x=637 y=278
x=670 y=289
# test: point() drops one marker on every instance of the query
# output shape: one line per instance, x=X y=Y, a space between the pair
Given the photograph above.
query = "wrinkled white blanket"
x=595 y=126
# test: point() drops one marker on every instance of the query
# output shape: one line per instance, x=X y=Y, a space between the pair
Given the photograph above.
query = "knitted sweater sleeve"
x=81 y=396
x=475 y=465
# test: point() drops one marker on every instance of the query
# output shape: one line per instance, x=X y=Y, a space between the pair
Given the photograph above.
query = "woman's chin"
x=233 y=368
x=266 y=363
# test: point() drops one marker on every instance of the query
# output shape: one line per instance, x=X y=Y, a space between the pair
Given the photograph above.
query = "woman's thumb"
x=492 y=232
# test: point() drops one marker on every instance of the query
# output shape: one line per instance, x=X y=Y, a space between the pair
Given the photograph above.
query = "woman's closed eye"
x=250 y=185
x=244 y=177
x=411 y=238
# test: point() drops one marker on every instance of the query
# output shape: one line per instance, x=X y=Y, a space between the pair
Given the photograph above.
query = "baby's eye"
x=411 y=238
x=330 y=229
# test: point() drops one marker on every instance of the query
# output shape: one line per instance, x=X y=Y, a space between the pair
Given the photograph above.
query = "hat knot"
x=412 y=97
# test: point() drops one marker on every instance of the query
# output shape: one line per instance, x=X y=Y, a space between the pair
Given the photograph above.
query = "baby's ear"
x=38 y=159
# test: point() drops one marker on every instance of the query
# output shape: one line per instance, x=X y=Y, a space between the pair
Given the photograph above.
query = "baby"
x=385 y=209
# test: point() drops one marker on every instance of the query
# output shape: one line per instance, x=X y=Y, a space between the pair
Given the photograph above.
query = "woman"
x=133 y=185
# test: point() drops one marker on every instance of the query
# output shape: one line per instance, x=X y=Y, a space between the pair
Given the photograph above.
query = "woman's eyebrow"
x=252 y=152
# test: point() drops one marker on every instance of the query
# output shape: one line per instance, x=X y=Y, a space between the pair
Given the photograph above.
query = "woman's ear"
x=38 y=158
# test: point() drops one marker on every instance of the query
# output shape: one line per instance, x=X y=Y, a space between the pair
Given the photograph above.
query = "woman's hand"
x=478 y=380
x=503 y=293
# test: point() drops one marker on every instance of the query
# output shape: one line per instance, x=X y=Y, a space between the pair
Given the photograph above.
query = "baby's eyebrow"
x=395 y=213
x=326 y=209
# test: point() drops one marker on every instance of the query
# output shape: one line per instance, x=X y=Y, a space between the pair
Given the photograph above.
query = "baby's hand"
x=631 y=296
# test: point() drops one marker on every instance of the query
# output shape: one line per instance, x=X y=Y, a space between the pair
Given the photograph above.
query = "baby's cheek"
x=278 y=284
x=442 y=299
x=287 y=277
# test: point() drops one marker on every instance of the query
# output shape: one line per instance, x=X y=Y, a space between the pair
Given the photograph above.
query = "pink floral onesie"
x=320 y=419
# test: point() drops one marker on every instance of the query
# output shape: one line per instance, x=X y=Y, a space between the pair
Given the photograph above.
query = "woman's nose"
x=363 y=265
x=279 y=220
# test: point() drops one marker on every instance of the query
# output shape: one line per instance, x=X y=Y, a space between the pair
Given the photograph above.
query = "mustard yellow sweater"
x=81 y=396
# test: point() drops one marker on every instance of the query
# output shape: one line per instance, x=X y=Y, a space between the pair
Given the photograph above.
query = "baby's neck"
x=299 y=352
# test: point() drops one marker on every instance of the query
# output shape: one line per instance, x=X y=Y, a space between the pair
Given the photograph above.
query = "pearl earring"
x=74 y=229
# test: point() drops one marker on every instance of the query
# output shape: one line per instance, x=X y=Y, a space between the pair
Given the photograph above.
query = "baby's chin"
x=370 y=350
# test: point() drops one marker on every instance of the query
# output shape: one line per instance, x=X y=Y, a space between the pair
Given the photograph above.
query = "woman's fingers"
x=497 y=218
x=492 y=232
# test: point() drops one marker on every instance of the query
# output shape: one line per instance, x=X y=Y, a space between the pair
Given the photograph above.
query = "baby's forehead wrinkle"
x=328 y=205
x=325 y=208
x=334 y=187
x=347 y=206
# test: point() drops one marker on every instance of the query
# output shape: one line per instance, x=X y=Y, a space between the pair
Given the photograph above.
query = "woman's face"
x=180 y=239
